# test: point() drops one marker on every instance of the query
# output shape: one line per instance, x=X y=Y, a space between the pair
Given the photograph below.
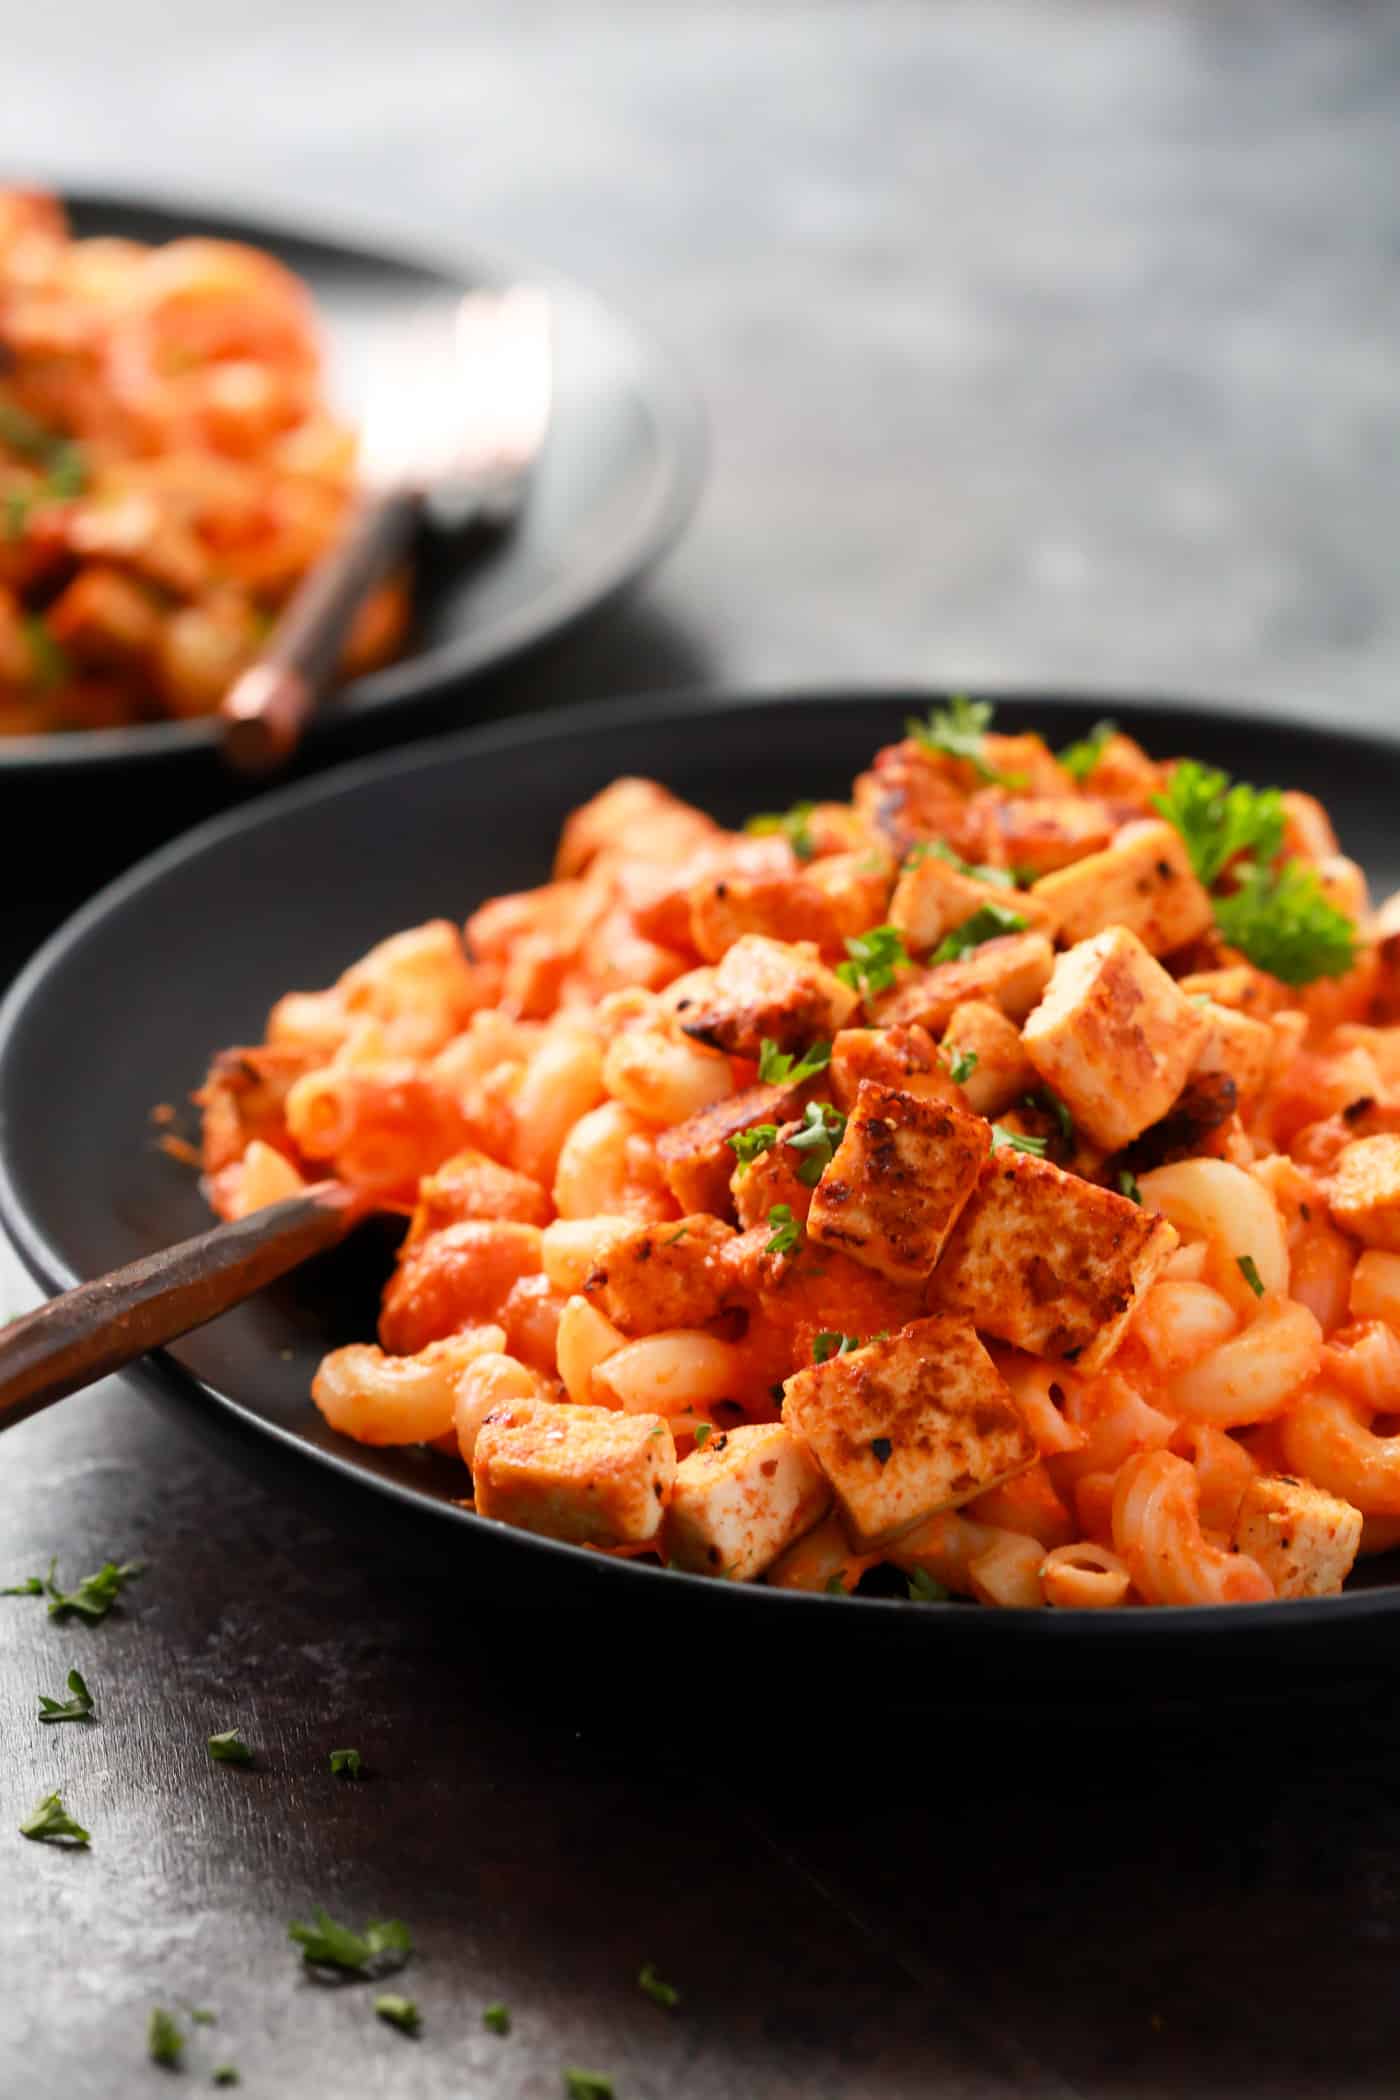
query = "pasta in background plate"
x=995 y=1177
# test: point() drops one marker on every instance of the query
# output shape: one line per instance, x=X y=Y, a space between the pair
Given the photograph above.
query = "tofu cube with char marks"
x=904 y=1057
x=660 y=1276
x=781 y=907
x=1304 y=1539
x=898 y=1181
x=1143 y=881
x=1048 y=1262
x=774 y=989
x=1011 y=971
x=696 y=1156
x=1003 y=1073
x=1240 y=1047
x=590 y=1475
x=1043 y=832
x=916 y=1422
x=933 y=897
x=1365 y=1191
x=1114 y=1036
x=741 y=1499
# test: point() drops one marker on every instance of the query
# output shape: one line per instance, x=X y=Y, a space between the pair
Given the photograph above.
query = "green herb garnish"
x=980 y=871
x=823 y=1128
x=226 y=2074
x=32 y=1586
x=346 y=1764
x=794 y=825
x=1127 y=1186
x=786 y=1236
x=923 y=1589
x=1052 y=1105
x=778 y=1067
x=1218 y=821
x=385 y=1944
x=874 y=958
x=77 y=1707
x=829 y=1343
x=588 y=2085
x=165 y=2039
x=229 y=1748
x=95 y=1594
x=1017 y=1141
x=660 y=1992
x=1079 y=760
x=958 y=730
x=748 y=1145
x=1285 y=925
x=48 y=664
x=1248 y=1268
x=963 y=1066
x=400 y=2012
x=496 y=2018
x=51 y=1823
x=986 y=924
x=703 y=1432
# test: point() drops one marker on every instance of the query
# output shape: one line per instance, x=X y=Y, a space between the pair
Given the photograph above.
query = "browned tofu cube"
x=1043 y=832
x=1239 y=1046
x=1114 y=1036
x=909 y=795
x=1143 y=881
x=696 y=1156
x=1365 y=1191
x=856 y=886
x=1239 y=986
x=904 y=1057
x=1124 y=774
x=933 y=897
x=594 y=1475
x=914 y=1423
x=1002 y=1073
x=759 y=1185
x=645 y=818
x=769 y=988
x=786 y=907
x=1050 y=1263
x=1304 y=1539
x=741 y=1499
x=1307 y=830
x=898 y=1181
x=660 y=1276
x=1011 y=971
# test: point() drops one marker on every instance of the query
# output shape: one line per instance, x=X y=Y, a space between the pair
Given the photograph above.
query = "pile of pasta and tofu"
x=993 y=1179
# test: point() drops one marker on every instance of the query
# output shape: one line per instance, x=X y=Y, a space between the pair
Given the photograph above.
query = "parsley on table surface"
x=95 y=1594
x=76 y=1707
x=748 y=1145
x=32 y=1586
x=384 y=1944
x=1285 y=925
x=347 y=1764
x=782 y=1067
x=656 y=1988
x=165 y=2040
x=1017 y=1141
x=51 y=1824
x=829 y=1343
x=787 y=1230
x=496 y=2018
x=204 y=2016
x=963 y=1066
x=958 y=730
x=226 y=2074
x=794 y=825
x=987 y=923
x=873 y=958
x=229 y=1748
x=923 y=1589
x=1249 y=1269
x=400 y=2012
x=1128 y=1185
x=823 y=1128
x=588 y=2085
x=1079 y=759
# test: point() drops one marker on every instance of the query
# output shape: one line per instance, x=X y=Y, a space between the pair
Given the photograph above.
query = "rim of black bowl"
x=682 y=442
x=1124 y=1626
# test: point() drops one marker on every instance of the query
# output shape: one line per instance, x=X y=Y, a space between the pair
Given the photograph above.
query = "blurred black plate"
x=615 y=484
x=125 y=1004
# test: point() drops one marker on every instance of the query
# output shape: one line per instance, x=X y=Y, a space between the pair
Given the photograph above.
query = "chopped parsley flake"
x=823 y=1128
x=963 y=1066
x=923 y=1589
x=748 y=1145
x=987 y=923
x=496 y=2018
x=779 y=1067
x=703 y=1432
x=787 y=1231
x=1128 y=1186
x=1017 y=1141
x=980 y=871
x=794 y=824
x=834 y=1586
x=51 y=1823
x=676 y=1237
x=873 y=959
x=229 y=1748
x=1079 y=760
x=829 y=1343
x=1248 y=1268
x=400 y=2012
x=77 y=1707
x=165 y=2039
x=958 y=731
x=588 y=2085
x=226 y=2074
x=1053 y=1106
x=661 y=1992
x=385 y=1944
x=32 y=1586
x=95 y=1594
x=347 y=1764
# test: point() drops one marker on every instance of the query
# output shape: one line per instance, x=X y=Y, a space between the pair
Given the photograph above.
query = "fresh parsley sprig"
x=76 y=1707
x=964 y=1064
x=657 y=1989
x=980 y=871
x=959 y=730
x=400 y=2012
x=50 y=1823
x=1079 y=759
x=1218 y=820
x=1004 y=1140
x=384 y=1944
x=784 y=1068
x=749 y=1145
x=229 y=1748
x=987 y=923
x=873 y=959
x=794 y=825
x=830 y=1343
x=95 y=1594
x=786 y=1231
x=823 y=1128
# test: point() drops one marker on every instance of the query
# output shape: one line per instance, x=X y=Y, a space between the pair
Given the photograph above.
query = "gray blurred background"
x=1041 y=342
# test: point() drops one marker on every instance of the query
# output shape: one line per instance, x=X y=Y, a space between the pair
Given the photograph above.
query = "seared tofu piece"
x=1239 y=986
x=785 y=907
x=1143 y=881
x=1365 y=1191
x=914 y=1423
x=1307 y=828
x=1048 y=1262
x=473 y=1185
x=898 y=1181
x=1043 y=832
x=650 y=822
x=769 y=988
x=1011 y=971
x=659 y=1276
x=932 y=898
x=1239 y=1046
x=1029 y=759
x=1003 y=1073
x=904 y=1057
x=1114 y=1036
x=1124 y=774
x=696 y=1156
x=592 y=1475
x=741 y=1499
x=910 y=795
x=1304 y=1539
x=758 y=1185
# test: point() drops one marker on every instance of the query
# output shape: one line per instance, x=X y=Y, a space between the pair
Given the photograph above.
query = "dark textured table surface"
x=1043 y=343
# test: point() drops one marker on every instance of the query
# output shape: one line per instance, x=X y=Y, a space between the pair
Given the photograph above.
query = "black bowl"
x=124 y=1005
